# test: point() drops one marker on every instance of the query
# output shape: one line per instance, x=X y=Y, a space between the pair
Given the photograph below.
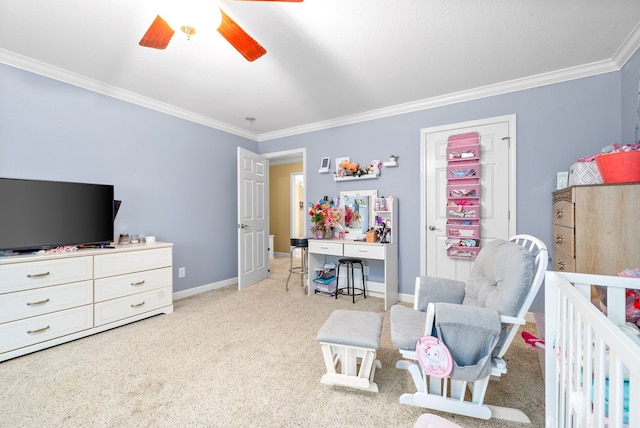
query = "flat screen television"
x=39 y=214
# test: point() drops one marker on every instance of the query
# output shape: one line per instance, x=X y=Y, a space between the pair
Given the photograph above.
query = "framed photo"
x=324 y=165
x=562 y=180
x=340 y=160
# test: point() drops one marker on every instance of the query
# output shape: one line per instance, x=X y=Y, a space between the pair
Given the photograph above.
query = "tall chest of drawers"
x=46 y=300
x=595 y=228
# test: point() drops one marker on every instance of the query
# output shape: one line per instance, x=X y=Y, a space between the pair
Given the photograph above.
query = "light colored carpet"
x=230 y=359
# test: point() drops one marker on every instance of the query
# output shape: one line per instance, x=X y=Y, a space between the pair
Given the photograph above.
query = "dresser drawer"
x=18 y=334
x=563 y=213
x=326 y=247
x=124 y=285
x=131 y=261
x=563 y=238
x=29 y=275
x=129 y=306
x=364 y=251
x=25 y=304
x=563 y=262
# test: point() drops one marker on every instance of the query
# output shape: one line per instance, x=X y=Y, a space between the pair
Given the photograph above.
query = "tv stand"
x=49 y=299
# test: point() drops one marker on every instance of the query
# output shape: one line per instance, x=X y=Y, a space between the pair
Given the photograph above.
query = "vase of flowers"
x=324 y=216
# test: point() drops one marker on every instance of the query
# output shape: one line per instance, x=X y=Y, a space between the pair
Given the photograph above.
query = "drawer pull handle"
x=41 y=302
x=559 y=238
x=559 y=214
x=561 y=265
x=363 y=251
x=38 y=275
x=135 y=284
x=40 y=330
x=137 y=305
x=324 y=248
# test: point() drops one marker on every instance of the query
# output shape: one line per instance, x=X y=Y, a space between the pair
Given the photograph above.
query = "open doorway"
x=287 y=196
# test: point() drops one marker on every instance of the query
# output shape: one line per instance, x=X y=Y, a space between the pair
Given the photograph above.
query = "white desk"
x=388 y=253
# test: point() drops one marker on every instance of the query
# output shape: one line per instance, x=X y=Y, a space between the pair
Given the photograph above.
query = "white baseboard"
x=204 y=288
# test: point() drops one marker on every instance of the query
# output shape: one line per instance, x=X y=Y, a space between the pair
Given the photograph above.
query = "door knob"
x=432 y=228
x=243 y=226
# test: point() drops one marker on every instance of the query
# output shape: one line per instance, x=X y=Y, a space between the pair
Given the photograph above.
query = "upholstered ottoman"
x=349 y=339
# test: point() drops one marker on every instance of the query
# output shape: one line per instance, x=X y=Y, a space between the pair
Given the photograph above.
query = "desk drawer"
x=364 y=251
x=326 y=247
x=562 y=262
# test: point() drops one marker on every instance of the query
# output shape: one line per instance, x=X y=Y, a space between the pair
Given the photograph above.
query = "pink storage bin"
x=463 y=191
x=463 y=170
x=463 y=252
x=463 y=153
x=463 y=212
x=463 y=231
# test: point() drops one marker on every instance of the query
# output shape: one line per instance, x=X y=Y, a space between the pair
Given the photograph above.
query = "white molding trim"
x=80 y=81
x=622 y=55
x=204 y=288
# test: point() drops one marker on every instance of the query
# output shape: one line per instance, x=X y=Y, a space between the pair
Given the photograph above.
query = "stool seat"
x=349 y=263
x=299 y=242
x=349 y=341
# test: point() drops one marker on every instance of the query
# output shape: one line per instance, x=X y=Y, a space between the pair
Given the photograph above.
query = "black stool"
x=349 y=263
x=302 y=270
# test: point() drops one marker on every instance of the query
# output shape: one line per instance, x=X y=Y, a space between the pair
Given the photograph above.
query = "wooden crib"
x=592 y=367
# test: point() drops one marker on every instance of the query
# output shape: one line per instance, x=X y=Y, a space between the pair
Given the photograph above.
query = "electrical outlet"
x=366 y=270
x=182 y=272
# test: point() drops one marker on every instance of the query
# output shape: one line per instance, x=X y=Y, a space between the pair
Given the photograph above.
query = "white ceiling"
x=328 y=62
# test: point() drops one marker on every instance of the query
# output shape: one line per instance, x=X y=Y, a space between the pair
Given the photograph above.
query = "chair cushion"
x=352 y=328
x=501 y=277
x=407 y=326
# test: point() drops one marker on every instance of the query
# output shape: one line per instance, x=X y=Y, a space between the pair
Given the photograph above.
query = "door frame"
x=511 y=119
x=290 y=156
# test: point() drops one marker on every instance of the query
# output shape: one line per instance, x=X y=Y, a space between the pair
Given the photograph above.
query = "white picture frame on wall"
x=562 y=180
x=325 y=162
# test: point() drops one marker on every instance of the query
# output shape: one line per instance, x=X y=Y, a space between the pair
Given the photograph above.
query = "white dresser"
x=46 y=300
x=387 y=253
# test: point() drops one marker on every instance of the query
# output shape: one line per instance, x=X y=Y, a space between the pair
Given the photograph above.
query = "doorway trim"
x=290 y=156
x=511 y=119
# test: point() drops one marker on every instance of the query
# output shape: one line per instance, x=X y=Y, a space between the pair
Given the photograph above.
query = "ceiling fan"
x=160 y=33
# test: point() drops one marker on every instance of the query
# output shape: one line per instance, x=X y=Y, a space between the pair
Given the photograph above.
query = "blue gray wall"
x=177 y=178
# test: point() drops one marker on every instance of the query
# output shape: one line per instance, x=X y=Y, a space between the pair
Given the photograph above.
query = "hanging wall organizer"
x=463 y=195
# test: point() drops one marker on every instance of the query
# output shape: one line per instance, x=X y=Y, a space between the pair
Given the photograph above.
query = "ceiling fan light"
x=158 y=35
x=188 y=31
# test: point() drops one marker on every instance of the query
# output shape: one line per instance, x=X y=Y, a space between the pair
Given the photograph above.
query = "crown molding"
x=623 y=54
x=56 y=73
x=515 y=85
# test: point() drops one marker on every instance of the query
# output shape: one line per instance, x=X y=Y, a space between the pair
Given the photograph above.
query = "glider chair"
x=476 y=322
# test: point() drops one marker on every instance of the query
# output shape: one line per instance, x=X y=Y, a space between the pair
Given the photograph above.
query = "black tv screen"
x=37 y=214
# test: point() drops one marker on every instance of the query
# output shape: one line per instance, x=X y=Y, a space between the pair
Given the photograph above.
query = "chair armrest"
x=512 y=320
x=432 y=289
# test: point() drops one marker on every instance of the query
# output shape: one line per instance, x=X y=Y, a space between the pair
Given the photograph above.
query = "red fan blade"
x=239 y=39
x=158 y=35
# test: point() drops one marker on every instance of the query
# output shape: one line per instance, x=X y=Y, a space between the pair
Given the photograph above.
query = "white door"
x=497 y=191
x=253 y=218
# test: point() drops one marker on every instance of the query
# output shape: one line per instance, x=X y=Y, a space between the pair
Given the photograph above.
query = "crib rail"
x=591 y=366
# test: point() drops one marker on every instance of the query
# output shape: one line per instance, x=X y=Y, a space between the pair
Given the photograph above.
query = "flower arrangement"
x=353 y=169
x=324 y=216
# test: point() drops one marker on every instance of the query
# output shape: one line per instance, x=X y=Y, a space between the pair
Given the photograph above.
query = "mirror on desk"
x=358 y=211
